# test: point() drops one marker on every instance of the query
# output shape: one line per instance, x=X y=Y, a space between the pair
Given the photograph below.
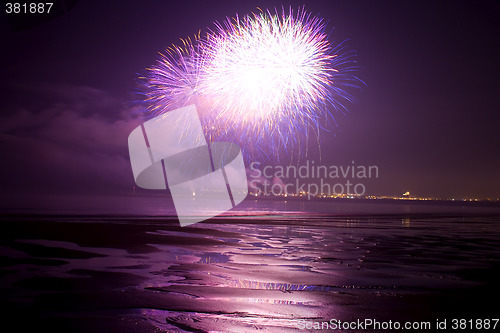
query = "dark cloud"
x=72 y=145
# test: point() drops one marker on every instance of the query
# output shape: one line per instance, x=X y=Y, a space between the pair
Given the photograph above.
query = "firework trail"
x=265 y=81
x=173 y=81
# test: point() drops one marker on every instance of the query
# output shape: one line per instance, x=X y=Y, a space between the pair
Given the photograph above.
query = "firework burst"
x=173 y=81
x=264 y=81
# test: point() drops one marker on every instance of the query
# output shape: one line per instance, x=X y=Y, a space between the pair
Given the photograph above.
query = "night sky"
x=428 y=116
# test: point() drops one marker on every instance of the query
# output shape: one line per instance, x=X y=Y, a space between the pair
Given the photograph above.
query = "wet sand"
x=243 y=274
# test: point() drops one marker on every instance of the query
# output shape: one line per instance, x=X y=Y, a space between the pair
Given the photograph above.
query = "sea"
x=267 y=266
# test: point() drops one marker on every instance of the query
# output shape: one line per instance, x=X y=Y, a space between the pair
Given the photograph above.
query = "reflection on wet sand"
x=259 y=273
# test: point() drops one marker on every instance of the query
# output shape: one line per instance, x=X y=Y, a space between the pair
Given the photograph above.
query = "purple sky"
x=427 y=118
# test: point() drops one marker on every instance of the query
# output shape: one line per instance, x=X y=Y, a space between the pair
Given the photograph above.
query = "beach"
x=262 y=271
